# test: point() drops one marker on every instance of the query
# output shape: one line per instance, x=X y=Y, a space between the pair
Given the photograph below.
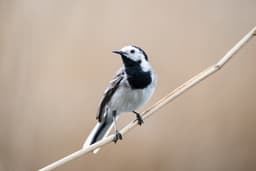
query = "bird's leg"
x=118 y=135
x=139 y=118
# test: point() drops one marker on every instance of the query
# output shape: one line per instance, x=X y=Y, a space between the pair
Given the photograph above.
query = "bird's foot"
x=139 y=118
x=118 y=136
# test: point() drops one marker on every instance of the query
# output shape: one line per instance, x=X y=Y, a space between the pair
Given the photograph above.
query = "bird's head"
x=134 y=56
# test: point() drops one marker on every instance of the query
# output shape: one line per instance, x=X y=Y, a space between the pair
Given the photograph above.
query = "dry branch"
x=161 y=103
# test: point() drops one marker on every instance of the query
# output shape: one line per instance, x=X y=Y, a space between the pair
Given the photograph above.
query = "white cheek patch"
x=134 y=57
x=145 y=66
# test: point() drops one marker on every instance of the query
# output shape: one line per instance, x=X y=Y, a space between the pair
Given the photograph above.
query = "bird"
x=132 y=86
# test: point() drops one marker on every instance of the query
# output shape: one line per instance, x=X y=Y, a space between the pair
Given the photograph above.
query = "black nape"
x=142 y=51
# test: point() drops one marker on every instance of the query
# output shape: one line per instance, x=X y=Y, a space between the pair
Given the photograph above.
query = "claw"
x=139 y=118
x=118 y=136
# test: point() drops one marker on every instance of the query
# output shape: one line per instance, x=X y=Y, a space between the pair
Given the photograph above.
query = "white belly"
x=127 y=100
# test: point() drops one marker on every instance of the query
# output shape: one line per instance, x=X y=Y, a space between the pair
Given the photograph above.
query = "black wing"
x=114 y=84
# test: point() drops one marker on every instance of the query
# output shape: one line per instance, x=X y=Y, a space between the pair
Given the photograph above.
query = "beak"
x=119 y=52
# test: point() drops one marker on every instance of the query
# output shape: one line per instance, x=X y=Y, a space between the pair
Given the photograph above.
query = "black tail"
x=101 y=130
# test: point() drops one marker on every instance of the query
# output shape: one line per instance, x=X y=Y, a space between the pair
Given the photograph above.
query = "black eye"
x=132 y=51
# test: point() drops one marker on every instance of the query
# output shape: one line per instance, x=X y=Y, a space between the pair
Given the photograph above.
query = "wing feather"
x=114 y=84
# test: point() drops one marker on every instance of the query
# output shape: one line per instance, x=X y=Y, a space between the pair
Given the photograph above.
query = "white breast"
x=126 y=99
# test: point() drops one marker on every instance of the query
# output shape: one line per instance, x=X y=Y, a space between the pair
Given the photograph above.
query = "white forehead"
x=128 y=48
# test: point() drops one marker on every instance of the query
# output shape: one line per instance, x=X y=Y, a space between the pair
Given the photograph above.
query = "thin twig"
x=161 y=103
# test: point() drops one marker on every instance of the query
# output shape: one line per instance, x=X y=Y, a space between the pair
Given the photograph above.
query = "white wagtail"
x=131 y=88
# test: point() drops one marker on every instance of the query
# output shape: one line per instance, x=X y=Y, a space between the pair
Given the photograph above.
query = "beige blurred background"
x=56 y=60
